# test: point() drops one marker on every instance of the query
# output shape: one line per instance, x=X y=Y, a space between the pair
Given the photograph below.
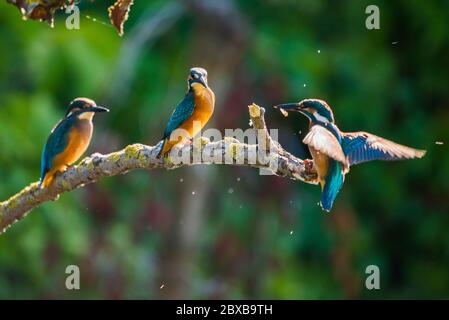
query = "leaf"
x=118 y=13
x=42 y=13
x=21 y=4
x=40 y=10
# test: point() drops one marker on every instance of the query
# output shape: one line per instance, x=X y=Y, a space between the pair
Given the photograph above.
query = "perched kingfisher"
x=69 y=139
x=334 y=151
x=197 y=105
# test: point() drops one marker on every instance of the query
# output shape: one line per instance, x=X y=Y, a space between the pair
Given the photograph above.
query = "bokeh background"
x=219 y=231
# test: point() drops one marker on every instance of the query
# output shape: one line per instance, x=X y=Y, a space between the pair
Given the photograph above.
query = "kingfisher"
x=192 y=113
x=69 y=139
x=334 y=151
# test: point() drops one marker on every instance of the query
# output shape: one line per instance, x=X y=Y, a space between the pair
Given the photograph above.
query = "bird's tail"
x=334 y=181
x=161 y=150
x=166 y=147
x=47 y=179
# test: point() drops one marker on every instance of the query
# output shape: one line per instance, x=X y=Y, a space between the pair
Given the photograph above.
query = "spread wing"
x=56 y=143
x=362 y=146
x=322 y=140
x=182 y=112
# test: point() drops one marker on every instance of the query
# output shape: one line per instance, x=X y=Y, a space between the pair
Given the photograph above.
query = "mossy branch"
x=138 y=156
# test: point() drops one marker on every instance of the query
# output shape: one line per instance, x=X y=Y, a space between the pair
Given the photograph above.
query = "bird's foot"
x=62 y=170
x=308 y=165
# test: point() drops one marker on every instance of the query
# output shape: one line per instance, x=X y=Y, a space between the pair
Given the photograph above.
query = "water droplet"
x=162 y=286
x=238 y=179
x=193 y=192
x=304 y=85
x=291 y=232
x=230 y=190
x=181 y=180
x=319 y=51
x=439 y=142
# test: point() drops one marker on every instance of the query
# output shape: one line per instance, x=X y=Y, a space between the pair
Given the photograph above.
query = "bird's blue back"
x=182 y=112
x=56 y=143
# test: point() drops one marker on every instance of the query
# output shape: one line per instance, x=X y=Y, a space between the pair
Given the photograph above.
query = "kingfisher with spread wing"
x=334 y=151
x=192 y=113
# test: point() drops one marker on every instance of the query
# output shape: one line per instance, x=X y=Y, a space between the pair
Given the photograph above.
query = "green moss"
x=13 y=202
x=168 y=160
x=230 y=140
x=114 y=157
x=90 y=165
x=203 y=141
x=233 y=149
x=65 y=184
x=132 y=151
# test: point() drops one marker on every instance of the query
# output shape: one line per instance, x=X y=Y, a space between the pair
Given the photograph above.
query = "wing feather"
x=182 y=112
x=56 y=143
x=324 y=141
x=362 y=146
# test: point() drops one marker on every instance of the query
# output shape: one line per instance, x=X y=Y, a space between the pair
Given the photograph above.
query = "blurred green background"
x=220 y=231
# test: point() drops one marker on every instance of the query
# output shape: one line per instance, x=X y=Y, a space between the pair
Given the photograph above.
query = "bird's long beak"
x=96 y=109
x=289 y=106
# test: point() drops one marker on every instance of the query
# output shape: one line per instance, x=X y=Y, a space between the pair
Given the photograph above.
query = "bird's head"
x=84 y=107
x=197 y=75
x=316 y=110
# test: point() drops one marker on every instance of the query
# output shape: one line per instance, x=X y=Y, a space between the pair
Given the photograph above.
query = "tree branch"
x=138 y=156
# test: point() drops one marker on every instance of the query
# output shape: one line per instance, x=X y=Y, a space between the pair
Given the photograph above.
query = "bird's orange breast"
x=78 y=142
x=321 y=163
x=204 y=107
